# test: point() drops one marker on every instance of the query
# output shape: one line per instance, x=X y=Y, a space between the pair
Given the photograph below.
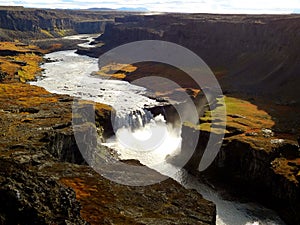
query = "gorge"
x=255 y=59
x=57 y=80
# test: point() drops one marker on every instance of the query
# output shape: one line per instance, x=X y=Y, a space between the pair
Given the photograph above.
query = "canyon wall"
x=254 y=54
x=248 y=170
x=24 y=23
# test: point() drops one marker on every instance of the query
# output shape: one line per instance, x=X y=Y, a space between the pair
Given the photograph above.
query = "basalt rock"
x=23 y=23
x=29 y=197
x=249 y=170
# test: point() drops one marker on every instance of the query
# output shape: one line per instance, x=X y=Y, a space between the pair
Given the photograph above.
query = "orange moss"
x=24 y=95
x=32 y=68
x=92 y=199
x=8 y=67
x=16 y=46
x=102 y=108
x=78 y=185
x=23 y=64
x=119 y=76
x=116 y=70
x=287 y=168
x=114 y=67
x=53 y=47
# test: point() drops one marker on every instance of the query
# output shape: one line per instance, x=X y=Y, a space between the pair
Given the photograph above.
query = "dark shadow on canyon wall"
x=255 y=58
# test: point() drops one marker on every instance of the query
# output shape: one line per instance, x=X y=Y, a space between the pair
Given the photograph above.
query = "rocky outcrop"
x=37 y=183
x=29 y=197
x=253 y=172
x=163 y=203
x=253 y=161
x=89 y=27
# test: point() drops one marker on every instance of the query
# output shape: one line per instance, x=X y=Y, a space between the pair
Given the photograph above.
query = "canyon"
x=229 y=44
x=26 y=24
x=256 y=61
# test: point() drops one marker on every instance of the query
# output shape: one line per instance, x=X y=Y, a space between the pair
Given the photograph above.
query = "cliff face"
x=257 y=54
x=22 y=23
x=249 y=171
x=89 y=27
x=254 y=161
x=32 y=20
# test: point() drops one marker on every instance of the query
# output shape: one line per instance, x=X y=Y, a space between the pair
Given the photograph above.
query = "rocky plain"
x=45 y=180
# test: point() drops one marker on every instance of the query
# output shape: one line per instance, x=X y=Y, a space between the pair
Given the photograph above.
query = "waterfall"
x=134 y=119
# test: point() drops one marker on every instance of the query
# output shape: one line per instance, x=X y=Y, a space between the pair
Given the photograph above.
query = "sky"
x=192 y=6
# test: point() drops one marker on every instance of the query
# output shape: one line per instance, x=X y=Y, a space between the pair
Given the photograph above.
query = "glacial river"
x=71 y=74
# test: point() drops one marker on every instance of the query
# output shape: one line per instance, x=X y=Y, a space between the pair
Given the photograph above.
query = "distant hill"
x=101 y=9
x=139 y=9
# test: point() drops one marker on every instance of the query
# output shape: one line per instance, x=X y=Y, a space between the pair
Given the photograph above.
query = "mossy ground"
x=32 y=68
x=46 y=32
x=21 y=62
x=116 y=71
x=247 y=121
x=164 y=203
x=23 y=95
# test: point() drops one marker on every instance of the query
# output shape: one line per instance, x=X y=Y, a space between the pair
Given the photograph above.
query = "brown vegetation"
x=19 y=62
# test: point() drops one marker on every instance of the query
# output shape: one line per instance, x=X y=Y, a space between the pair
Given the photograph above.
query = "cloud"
x=208 y=6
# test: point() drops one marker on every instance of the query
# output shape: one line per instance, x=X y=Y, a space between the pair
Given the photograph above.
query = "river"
x=71 y=74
